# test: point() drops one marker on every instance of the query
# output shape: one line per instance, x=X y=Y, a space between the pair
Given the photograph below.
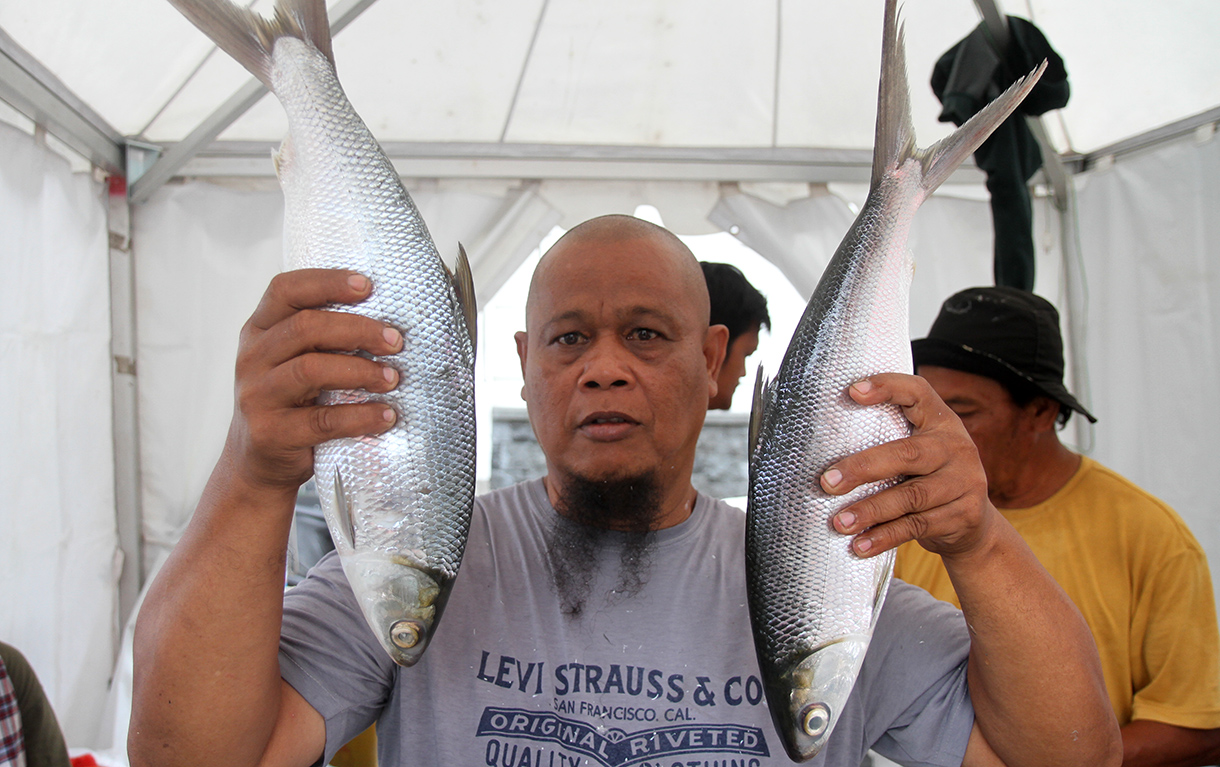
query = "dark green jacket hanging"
x=965 y=79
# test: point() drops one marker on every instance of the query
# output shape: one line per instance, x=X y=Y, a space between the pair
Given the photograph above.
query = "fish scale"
x=813 y=602
x=398 y=504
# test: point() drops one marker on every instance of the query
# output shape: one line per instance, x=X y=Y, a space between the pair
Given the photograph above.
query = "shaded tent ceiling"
x=673 y=89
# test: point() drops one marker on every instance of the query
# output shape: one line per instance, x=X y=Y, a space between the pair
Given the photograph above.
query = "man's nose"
x=606 y=366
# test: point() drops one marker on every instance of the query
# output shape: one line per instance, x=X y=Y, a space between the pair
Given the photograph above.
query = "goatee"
x=591 y=512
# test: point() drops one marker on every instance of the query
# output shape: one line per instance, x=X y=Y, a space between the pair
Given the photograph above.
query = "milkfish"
x=398 y=505
x=813 y=602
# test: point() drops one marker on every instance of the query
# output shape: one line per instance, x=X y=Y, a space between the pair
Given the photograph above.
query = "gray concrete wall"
x=721 y=468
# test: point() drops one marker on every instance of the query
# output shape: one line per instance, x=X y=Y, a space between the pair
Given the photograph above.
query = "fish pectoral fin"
x=463 y=288
x=343 y=513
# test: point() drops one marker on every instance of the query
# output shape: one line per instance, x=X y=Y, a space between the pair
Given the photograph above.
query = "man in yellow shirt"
x=1126 y=559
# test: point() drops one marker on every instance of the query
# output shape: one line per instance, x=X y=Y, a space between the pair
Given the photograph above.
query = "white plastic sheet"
x=58 y=540
x=1150 y=240
x=204 y=255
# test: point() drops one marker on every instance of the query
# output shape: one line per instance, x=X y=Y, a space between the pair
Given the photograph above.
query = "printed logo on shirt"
x=613 y=747
x=662 y=725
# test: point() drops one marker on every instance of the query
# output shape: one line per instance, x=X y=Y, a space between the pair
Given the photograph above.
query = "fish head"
x=813 y=695
x=401 y=602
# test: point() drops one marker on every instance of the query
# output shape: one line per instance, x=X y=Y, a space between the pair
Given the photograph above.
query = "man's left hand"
x=942 y=503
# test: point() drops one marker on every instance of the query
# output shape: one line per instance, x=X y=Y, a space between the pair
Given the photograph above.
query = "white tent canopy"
x=120 y=314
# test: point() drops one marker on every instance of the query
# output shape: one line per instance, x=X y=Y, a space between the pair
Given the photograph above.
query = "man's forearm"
x=1156 y=744
x=207 y=687
x=1035 y=679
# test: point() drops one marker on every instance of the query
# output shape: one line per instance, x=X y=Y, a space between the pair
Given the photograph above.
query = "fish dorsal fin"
x=463 y=288
x=895 y=136
x=343 y=513
x=756 y=411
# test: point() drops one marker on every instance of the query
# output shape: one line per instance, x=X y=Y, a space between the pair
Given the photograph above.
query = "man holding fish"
x=602 y=614
x=619 y=364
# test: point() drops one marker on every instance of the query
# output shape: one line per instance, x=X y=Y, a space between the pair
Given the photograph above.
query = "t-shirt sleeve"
x=1175 y=646
x=914 y=680
x=330 y=656
x=44 y=741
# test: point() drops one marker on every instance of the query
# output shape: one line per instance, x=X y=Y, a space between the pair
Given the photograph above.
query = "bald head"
x=637 y=243
x=618 y=360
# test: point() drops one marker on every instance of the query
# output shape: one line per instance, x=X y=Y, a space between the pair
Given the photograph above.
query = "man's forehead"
x=659 y=311
x=639 y=273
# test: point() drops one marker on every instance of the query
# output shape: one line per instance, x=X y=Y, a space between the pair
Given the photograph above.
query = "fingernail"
x=833 y=477
x=388 y=414
x=863 y=545
x=846 y=520
x=391 y=336
x=391 y=375
x=864 y=387
x=359 y=282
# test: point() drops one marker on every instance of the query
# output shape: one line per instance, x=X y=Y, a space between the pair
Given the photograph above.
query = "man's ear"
x=1044 y=413
x=715 y=348
x=522 y=339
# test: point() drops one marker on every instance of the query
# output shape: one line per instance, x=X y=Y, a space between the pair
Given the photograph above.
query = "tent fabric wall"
x=59 y=555
x=950 y=239
x=204 y=254
x=1150 y=242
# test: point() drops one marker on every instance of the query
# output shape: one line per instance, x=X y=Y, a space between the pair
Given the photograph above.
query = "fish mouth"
x=607 y=426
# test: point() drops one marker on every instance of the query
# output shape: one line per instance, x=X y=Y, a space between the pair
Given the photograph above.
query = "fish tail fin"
x=249 y=37
x=895 y=136
x=944 y=156
x=894 y=141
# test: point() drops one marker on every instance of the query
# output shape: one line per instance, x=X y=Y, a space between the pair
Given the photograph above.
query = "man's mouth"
x=607 y=426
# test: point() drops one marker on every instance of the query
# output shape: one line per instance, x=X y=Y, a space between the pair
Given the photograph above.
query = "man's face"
x=618 y=360
x=999 y=428
x=734 y=368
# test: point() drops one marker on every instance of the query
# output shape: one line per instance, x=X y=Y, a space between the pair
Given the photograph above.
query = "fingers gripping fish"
x=813 y=602
x=398 y=505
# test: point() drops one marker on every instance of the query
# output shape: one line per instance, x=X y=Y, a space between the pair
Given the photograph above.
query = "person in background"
x=995 y=356
x=739 y=306
x=29 y=732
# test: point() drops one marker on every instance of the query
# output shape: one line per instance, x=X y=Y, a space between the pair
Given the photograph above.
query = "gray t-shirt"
x=665 y=677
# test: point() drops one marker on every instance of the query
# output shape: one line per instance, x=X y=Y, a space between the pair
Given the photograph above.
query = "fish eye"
x=405 y=634
x=815 y=719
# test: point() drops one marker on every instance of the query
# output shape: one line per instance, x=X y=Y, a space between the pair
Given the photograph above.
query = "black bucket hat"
x=1008 y=334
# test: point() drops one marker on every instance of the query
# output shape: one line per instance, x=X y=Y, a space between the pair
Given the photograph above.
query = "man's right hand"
x=207 y=687
x=286 y=359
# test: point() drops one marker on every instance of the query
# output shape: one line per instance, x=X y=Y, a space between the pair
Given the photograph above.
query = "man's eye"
x=568 y=339
x=644 y=334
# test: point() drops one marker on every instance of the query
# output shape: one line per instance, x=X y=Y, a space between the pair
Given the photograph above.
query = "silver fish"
x=813 y=602
x=398 y=505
